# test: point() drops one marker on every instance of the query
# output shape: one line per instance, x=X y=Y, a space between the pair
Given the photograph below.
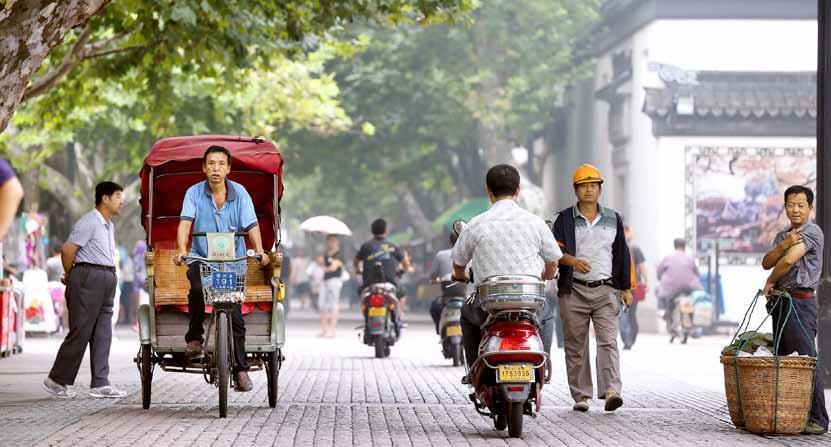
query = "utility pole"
x=824 y=186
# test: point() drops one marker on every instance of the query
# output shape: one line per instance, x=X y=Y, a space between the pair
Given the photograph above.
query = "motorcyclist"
x=378 y=259
x=505 y=240
x=440 y=273
x=677 y=275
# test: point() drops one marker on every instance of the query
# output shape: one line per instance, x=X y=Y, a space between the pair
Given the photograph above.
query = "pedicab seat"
x=172 y=285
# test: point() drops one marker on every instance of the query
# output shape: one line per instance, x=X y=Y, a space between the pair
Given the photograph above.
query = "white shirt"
x=506 y=240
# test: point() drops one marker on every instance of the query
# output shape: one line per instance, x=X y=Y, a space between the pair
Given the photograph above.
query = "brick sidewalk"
x=334 y=393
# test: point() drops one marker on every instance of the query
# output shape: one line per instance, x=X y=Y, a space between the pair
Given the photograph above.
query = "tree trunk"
x=29 y=30
x=490 y=90
x=418 y=220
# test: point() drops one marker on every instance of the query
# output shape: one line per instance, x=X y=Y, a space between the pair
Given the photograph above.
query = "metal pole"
x=716 y=283
x=824 y=187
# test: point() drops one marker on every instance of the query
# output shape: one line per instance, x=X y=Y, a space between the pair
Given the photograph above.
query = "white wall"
x=734 y=45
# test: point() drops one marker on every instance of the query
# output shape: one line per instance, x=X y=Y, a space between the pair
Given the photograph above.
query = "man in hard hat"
x=596 y=275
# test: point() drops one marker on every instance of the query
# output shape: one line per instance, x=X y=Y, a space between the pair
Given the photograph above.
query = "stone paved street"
x=332 y=392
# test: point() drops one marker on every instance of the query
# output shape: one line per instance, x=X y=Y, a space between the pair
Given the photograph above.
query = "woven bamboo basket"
x=731 y=389
x=172 y=284
x=771 y=406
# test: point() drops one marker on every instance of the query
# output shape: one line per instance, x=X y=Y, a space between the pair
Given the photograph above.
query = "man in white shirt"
x=505 y=240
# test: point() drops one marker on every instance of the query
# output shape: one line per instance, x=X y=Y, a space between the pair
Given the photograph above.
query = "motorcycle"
x=379 y=305
x=450 y=329
x=511 y=368
x=681 y=319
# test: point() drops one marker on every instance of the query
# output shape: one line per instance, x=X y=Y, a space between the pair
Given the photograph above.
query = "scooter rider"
x=440 y=273
x=380 y=250
x=505 y=240
x=677 y=275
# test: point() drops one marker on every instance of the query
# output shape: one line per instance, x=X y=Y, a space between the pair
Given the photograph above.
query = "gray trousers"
x=601 y=306
x=89 y=300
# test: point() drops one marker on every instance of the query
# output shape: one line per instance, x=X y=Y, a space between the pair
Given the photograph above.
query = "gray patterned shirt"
x=593 y=242
x=96 y=238
x=506 y=240
x=806 y=272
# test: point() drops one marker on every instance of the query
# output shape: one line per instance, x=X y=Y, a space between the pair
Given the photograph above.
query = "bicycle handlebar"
x=249 y=254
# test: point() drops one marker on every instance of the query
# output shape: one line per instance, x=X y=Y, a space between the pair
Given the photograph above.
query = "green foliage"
x=749 y=342
x=424 y=94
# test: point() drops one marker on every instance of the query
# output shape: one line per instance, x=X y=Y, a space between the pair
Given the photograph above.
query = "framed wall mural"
x=734 y=196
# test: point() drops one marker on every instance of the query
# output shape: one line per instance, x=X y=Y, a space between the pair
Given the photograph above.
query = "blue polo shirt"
x=236 y=215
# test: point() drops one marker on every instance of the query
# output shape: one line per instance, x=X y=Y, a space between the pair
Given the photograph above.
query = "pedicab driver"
x=216 y=205
x=504 y=240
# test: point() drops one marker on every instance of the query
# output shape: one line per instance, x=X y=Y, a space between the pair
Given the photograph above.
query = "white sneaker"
x=106 y=391
x=57 y=390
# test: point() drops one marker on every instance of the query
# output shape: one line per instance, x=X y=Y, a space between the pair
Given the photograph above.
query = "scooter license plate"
x=377 y=311
x=515 y=373
x=453 y=331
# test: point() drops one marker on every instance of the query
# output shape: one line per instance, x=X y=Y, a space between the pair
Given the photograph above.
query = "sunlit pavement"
x=333 y=392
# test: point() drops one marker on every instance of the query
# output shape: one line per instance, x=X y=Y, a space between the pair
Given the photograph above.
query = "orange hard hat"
x=587 y=174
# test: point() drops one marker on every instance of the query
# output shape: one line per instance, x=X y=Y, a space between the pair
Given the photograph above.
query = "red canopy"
x=176 y=165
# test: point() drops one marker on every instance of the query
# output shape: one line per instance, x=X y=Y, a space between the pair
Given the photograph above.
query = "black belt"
x=593 y=284
x=108 y=268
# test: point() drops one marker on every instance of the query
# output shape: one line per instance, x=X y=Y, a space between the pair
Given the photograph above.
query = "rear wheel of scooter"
x=457 y=355
x=500 y=422
x=515 y=420
x=380 y=346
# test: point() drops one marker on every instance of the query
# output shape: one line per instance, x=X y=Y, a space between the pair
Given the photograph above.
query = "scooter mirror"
x=459 y=226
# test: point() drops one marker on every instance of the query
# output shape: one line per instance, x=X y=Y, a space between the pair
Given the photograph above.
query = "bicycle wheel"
x=222 y=362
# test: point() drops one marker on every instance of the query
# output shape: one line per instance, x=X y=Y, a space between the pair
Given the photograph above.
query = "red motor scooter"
x=508 y=375
x=512 y=365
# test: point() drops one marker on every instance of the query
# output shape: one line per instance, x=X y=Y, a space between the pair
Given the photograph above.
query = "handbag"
x=639 y=292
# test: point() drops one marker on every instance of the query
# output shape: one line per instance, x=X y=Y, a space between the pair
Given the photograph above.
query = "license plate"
x=515 y=373
x=223 y=280
x=453 y=331
x=377 y=311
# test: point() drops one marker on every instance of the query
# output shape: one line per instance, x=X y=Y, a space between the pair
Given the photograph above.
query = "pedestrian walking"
x=595 y=276
x=11 y=193
x=556 y=328
x=89 y=261
x=629 y=320
x=796 y=260
x=329 y=298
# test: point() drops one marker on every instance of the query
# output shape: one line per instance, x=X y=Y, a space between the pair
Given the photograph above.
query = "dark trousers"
x=473 y=317
x=795 y=339
x=196 y=307
x=89 y=300
x=435 y=311
x=629 y=325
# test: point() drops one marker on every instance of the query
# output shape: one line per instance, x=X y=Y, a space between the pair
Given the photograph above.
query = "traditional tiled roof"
x=738 y=95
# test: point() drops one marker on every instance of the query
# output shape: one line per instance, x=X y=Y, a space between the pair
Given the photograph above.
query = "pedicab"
x=171 y=167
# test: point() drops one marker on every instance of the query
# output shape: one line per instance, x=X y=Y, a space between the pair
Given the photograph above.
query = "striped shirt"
x=593 y=242
x=96 y=237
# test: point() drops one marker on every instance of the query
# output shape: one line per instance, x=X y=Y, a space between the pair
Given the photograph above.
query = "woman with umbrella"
x=334 y=269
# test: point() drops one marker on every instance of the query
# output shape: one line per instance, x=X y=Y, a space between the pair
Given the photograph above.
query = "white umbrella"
x=325 y=224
